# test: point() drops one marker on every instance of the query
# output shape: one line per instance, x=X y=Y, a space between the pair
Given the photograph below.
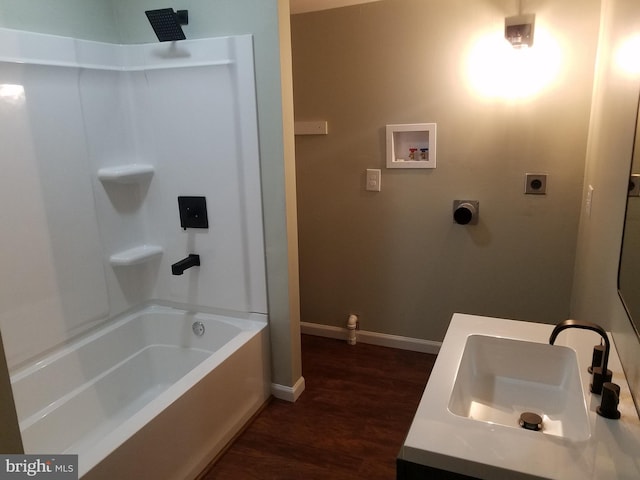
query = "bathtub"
x=145 y=397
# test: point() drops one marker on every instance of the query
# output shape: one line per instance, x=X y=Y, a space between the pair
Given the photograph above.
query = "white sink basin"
x=490 y=370
x=499 y=379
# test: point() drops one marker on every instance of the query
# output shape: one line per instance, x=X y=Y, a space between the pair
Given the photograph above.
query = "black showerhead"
x=166 y=23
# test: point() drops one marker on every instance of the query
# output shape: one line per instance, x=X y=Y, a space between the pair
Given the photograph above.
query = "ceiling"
x=302 y=6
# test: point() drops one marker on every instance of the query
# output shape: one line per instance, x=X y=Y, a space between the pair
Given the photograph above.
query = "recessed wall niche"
x=411 y=145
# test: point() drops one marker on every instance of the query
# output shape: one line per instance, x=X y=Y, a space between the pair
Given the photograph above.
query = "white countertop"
x=440 y=439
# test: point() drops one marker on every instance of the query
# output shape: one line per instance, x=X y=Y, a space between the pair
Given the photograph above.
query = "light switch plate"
x=373 y=179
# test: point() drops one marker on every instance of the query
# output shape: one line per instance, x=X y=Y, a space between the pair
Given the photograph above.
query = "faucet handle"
x=610 y=399
x=599 y=379
x=596 y=358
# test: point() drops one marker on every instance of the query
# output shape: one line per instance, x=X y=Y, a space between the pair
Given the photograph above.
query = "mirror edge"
x=634 y=151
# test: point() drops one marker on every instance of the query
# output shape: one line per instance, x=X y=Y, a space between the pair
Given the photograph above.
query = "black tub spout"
x=192 y=260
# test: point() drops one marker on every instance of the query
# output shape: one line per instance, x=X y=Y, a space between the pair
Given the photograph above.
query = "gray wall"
x=86 y=19
x=395 y=257
x=595 y=297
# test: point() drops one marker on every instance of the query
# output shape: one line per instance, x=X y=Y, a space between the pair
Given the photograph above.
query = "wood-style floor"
x=348 y=424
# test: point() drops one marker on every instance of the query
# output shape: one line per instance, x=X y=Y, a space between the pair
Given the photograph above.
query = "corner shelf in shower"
x=133 y=173
x=135 y=255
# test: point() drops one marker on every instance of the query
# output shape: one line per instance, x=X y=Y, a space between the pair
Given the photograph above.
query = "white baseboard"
x=373 y=338
x=290 y=394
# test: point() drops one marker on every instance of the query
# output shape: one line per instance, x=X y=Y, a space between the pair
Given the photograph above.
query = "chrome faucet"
x=192 y=260
x=600 y=374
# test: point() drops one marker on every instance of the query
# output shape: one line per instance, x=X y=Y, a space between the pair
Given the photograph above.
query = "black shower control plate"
x=193 y=212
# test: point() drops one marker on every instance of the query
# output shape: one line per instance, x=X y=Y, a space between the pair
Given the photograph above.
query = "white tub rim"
x=29 y=366
x=250 y=325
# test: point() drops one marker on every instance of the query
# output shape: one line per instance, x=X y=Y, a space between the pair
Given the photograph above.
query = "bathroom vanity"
x=490 y=372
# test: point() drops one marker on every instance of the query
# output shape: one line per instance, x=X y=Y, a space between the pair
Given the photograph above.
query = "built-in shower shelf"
x=133 y=173
x=135 y=255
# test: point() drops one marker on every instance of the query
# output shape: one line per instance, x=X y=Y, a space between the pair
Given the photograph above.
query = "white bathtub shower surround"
x=99 y=140
x=145 y=397
x=188 y=109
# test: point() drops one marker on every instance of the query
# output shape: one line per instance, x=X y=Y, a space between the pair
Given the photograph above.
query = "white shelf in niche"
x=133 y=173
x=403 y=138
x=135 y=255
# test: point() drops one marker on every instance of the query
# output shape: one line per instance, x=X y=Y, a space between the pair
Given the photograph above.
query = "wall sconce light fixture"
x=519 y=30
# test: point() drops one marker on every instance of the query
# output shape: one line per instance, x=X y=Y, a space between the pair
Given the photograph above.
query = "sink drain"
x=531 y=421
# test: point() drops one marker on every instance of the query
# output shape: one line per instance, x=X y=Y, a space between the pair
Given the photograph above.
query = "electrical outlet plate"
x=535 y=183
x=373 y=179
